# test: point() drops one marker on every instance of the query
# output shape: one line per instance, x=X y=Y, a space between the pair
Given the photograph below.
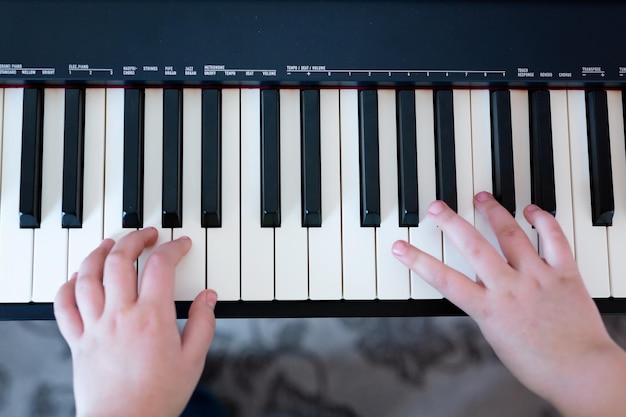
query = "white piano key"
x=464 y=177
x=114 y=163
x=427 y=236
x=153 y=171
x=50 y=244
x=482 y=158
x=325 y=280
x=257 y=243
x=562 y=167
x=16 y=245
x=191 y=273
x=359 y=251
x=520 y=126
x=591 y=241
x=617 y=232
x=393 y=278
x=291 y=238
x=223 y=244
x=82 y=241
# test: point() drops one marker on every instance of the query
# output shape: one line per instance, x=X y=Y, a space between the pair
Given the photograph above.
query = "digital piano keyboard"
x=295 y=141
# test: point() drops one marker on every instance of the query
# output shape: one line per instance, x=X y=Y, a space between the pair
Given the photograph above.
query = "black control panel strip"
x=309 y=42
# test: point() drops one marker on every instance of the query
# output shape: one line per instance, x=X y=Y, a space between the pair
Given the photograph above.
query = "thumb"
x=200 y=328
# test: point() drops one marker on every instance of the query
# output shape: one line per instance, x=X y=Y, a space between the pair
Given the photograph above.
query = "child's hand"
x=535 y=313
x=129 y=357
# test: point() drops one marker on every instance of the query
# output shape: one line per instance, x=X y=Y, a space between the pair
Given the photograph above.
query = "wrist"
x=591 y=386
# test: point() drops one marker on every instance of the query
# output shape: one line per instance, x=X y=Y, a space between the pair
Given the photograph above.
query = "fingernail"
x=436 y=207
x=184 y=238
x=399 y=248
x=106 y=242
x=210 y=297
x=532 y=207
x=483 y=196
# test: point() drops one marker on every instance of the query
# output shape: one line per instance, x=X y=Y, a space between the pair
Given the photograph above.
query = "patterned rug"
x=391 y=367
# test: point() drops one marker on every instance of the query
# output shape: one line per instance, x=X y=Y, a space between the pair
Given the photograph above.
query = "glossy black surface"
x=311 y=161
x=211 y=194
x=407 y=158
x=543 y=191
x=73 y=158
x=132 y=200
x=270 y=159
x=172 y=185
x=314 y=42
x=502 y=150
x=369 y=164
x=445 y=154
x=599 y=146
x=31 y=158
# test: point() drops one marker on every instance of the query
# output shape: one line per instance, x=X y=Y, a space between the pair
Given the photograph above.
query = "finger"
x=200 y=328
x=456 y=287
x=514 y=243
x=89 y=291
x=554 y=245
x=120 y=274
x=482 y=257
x=66 y=312
x=157 y=281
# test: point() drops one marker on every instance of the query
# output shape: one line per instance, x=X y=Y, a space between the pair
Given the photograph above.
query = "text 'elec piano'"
x=294 y=142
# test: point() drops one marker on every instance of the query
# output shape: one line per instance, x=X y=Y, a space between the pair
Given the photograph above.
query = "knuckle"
x=85 y=287
x=116 y=258
x=474 y=249
x=94 y=257
x=82 y=284
x=446 y=216
x=158 y=259
x=440 y=279
x=413 y=260
x=509 y=231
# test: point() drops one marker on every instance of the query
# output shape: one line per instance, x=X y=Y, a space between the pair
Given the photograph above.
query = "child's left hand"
x=129 y=357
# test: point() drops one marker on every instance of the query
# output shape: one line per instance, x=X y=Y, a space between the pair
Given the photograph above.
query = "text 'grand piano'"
x=294 y=142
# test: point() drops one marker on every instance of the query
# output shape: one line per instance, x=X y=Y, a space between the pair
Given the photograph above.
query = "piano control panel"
x=418 y=42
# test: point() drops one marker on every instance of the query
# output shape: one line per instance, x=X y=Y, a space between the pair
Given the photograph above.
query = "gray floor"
x=435 y=367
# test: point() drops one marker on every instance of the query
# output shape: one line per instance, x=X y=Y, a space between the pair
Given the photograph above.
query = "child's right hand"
x=536 y=313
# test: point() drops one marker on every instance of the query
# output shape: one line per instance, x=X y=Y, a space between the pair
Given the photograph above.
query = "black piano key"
x=445 y=155
x=543 y=189
x=602 y=203
x=132 y=211
x=502 y=150
x=407 y=158
x=369 y=165
x=211 y=199
x=311 y=161
x=270 y=159
x=73 y=158
x=624 y=108
x=172 y=192
x=32 y=150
